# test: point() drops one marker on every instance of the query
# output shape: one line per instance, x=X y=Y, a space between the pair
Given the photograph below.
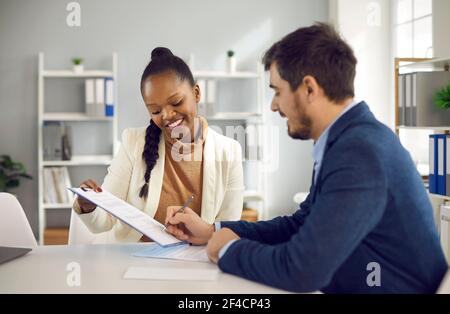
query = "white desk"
x=102 y=268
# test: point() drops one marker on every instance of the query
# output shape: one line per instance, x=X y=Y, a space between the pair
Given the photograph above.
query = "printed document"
x=183 y=252
x=130 y=215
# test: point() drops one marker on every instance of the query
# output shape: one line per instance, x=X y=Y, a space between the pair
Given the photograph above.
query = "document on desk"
x=183 y=252
x=129 y=215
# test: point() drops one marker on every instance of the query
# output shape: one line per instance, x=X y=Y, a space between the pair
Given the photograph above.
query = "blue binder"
x=432 y=178
x=441 y=163
x=109 y=97
x=447 y=165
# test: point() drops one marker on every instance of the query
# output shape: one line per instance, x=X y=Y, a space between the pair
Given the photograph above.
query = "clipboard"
x=129 y=215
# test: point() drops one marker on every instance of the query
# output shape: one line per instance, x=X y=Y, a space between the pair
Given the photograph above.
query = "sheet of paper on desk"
x=170 y=273
x=130 y=215
x=183 y=252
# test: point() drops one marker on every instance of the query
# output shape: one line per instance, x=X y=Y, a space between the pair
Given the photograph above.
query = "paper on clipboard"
x=130 y=215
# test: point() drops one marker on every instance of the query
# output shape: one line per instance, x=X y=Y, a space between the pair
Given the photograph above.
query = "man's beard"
x=304 y=132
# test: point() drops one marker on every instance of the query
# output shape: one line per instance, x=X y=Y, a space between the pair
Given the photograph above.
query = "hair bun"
x=161 y=52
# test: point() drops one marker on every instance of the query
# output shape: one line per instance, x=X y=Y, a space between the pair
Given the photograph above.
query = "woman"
x=175 y=157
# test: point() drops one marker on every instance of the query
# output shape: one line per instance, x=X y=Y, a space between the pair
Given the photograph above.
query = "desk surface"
x=44 y=270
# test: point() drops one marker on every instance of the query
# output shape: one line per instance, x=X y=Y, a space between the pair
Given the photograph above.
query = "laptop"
x=9 y=253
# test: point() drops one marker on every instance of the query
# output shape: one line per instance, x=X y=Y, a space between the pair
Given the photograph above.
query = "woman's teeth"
x=175 y=123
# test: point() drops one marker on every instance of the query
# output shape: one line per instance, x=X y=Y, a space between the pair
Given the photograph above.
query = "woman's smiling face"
x=171 y=102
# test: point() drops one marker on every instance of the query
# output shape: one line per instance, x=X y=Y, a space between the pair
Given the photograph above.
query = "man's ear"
x=311 y=87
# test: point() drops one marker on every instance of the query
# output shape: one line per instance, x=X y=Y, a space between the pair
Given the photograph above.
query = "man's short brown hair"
x=318 y=51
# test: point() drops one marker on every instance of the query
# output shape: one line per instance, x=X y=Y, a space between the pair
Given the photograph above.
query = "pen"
x=181 y=209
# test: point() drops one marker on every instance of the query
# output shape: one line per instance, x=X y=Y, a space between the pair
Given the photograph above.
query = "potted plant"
x=10 y=173
x=231 y=61
x=77 y=65
x=442 y=97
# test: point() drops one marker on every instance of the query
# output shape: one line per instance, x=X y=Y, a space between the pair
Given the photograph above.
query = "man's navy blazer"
x=367 y=225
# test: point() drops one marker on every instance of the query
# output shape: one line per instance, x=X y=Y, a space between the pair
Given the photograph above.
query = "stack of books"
x=56 y=182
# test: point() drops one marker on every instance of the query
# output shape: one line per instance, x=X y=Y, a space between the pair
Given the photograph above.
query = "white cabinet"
x=415 y=140
x=249 y=119
x=77 y=119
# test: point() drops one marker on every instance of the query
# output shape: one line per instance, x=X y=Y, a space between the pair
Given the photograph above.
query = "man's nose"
x=274 y=106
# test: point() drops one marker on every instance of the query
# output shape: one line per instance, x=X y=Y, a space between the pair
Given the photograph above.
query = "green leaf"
x=2 y=184
x=442 y=97
x=18 y=166
x=12 y=183
x=7 y=162
x=6 y=157
x=26 y=176
x=11 y=173
x=77 y=60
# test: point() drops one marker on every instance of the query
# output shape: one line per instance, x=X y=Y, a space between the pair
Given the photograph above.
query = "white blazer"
x=222 y=193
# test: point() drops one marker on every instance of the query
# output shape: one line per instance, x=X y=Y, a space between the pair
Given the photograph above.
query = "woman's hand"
x=188 y=226
x=86 y=206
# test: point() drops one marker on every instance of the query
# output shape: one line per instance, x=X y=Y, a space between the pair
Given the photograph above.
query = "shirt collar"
x=319 y=146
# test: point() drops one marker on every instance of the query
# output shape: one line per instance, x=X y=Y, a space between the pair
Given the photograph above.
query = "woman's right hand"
x=86 y=206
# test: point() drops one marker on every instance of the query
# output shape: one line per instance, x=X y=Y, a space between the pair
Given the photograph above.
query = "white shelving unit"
x=441 y=197
x=425 y=128
x=242 y=116
x=82 y=160
x=247 y=118
x=72 y=117
x=421 y=65
x=438 y=64
x=71 y=74
x=57 y=206
x=216 y=75
x=441 y=64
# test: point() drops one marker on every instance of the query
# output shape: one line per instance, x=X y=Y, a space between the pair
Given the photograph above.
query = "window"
x=413 y=25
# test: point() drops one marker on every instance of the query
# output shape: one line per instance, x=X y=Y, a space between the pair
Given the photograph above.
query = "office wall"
x=441 y=28
x=365 y=24
x=133 y=28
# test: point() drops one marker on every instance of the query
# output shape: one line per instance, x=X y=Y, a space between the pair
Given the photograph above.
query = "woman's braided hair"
x=162 y=60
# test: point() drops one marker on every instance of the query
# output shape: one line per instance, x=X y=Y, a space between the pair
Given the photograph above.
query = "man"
x=367 y=224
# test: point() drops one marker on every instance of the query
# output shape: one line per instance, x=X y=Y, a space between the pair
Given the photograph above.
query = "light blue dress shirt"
x=319 y=146
x=318 y=151
x=226 y=246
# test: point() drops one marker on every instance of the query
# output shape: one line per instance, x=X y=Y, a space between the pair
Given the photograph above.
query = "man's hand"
x=188 y=226
x=218 y=241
